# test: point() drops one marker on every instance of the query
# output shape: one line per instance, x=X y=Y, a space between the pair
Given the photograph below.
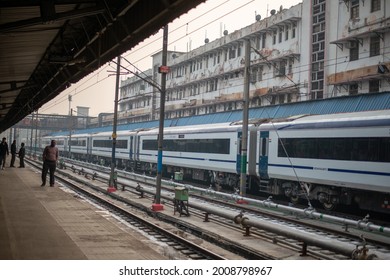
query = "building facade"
x=314 y=50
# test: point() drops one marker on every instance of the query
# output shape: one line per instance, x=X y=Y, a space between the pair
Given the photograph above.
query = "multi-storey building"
x=314 y=50
x=136 y=98
x=359 y=49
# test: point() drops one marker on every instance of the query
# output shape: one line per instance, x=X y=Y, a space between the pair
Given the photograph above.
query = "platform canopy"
x=46 y=45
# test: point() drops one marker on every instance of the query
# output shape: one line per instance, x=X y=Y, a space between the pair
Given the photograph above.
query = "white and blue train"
x=334 y=159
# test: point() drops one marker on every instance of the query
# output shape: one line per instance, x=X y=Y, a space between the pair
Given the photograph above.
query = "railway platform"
x=48 y=223
x=54 y=223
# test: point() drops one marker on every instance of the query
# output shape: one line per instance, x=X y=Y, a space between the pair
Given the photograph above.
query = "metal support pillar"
x=245 y=108
x=157 y=204
x=112 y=181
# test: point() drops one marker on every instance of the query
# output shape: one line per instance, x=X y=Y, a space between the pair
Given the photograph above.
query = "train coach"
x=334 y=159
x=208 y=153
x=100 y=147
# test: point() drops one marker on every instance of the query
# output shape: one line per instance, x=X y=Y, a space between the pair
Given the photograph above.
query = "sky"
x=207 y=20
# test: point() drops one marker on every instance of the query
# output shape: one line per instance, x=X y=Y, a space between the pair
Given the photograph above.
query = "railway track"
x=362 y=246
x=127 y=215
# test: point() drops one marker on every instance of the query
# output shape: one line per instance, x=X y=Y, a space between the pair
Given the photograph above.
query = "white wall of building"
x=317 y=61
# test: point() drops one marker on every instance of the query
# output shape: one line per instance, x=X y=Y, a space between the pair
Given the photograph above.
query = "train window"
x=264 y=146
x=384 y=150
x=325 y=147
x=375 y=149
x=120 y=144
x=208 y=146
x=150 y=145
x=78 y=142
x=284 y=148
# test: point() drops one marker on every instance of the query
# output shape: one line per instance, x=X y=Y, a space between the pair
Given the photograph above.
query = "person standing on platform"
x=3 y=152
x=22 y=153
x=13 y=153
x=50 y=157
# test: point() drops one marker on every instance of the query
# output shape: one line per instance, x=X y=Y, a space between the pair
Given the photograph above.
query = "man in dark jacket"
x=3 y=152
x=22 y=153
x=13 y=153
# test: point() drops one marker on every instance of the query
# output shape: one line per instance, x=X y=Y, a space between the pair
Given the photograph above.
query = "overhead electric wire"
x=186 y=24
x=219 y=5
x=172 y=42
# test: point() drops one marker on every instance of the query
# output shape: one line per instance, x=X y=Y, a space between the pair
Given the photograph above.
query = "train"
x=334 y=159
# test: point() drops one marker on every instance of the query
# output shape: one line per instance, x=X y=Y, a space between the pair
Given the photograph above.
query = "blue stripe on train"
x=333 y=169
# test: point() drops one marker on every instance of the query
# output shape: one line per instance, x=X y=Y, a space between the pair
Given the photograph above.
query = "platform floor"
x=44 y=223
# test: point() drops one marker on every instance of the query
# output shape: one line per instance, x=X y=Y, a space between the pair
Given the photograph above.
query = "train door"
x=66 y=145
x=238 y=157
x=137 y=145
x=89 y=148
x=263 y=155
x=252 y=151
x=131 y=148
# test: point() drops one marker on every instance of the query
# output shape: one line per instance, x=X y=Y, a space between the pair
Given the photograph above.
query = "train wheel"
x=294 y=200
x=329 y=206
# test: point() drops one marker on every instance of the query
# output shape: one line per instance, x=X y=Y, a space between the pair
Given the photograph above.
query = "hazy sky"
x=209 y=19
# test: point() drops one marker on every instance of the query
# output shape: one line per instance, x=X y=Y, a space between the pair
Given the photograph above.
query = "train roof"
x=205 y=128
x=355 y=119
x=342 y=104
x=118 y=133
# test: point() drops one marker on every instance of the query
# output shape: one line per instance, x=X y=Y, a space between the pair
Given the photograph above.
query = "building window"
x=280 y=35
x=232 y=53
x=280 y=69
x=316 y=28
x=274 y=37
x=375 y=5
x=373 y=86
x=260 y=73
x=354 y=9
x=374 y=46
x=294 y=27
x=353 y=88
x=354 y=51
x=321 y=36
x=316 y=9
x=263 y=38
x=286 y=33
x=320 y=55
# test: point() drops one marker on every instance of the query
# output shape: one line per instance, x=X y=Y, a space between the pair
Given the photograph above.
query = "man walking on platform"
x=50 y=157
x=13 y=153
x=3 y=152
